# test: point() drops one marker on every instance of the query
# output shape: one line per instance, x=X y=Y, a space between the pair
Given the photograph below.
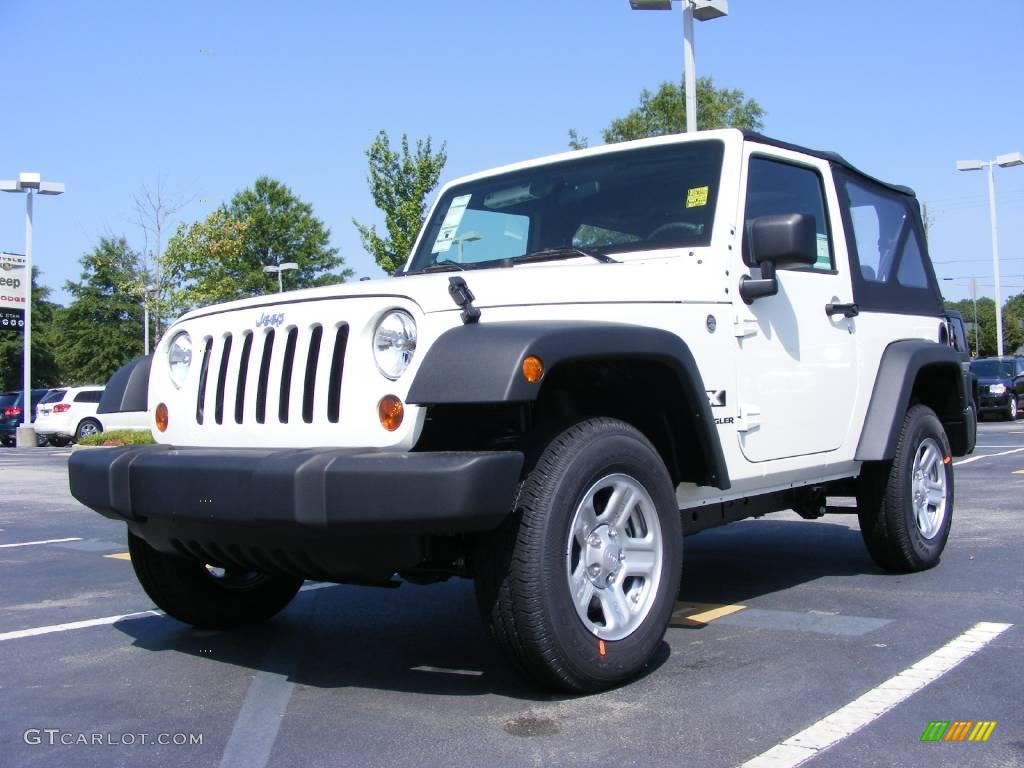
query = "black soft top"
x=832 y=157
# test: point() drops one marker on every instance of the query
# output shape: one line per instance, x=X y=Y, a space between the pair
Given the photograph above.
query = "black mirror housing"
x=785 y=240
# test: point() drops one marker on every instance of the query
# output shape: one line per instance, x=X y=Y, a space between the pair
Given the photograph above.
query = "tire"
x=905 y=506
x=1011 y=410
x=87 y=427
x=192 y=592
x=58 y=442
x=524 y=570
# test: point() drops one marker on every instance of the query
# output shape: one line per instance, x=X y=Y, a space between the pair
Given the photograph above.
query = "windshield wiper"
x=444 y=265
x=554 y=254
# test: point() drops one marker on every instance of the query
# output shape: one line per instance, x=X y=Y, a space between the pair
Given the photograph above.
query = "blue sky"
x=105 y=96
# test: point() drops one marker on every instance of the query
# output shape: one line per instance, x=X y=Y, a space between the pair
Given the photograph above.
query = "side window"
x=89 y=397
x=775 y=187
x=888 y=253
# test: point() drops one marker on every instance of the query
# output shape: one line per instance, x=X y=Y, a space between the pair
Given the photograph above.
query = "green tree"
x=101 y=329
x=45 y=371
x=664 y=112
x=222 y=257
x=400 y=182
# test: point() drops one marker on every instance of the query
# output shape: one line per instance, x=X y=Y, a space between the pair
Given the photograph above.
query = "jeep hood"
x=576 y=281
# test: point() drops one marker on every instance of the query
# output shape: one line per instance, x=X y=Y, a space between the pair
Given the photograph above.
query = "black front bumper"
x=318 y=490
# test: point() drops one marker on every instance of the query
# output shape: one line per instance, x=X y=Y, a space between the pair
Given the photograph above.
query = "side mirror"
x=777 y=242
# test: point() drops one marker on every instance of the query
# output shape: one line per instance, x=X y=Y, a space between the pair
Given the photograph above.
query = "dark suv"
x=1000 y=385
x=10 y=413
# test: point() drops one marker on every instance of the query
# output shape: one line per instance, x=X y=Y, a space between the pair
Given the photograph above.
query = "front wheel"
x=905 y=505
x=58 y=442
x=205 y=596
x=578 y=586
x=1011 y=409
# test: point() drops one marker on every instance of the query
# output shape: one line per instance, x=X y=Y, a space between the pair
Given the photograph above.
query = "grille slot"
x=337 y=369
x=309 y=389
x=243 y=373
x=225 y=358
x=286 y=376
x=261 y=390
x=203 y=372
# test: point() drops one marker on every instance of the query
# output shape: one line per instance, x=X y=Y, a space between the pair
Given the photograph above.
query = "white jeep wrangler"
x=586 y=358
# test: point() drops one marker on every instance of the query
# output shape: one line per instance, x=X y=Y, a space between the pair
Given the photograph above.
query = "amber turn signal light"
x=390 y=411
x=533 y=369
x=161 y=417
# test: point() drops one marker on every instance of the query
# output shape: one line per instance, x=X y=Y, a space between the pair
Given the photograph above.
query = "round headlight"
x=394 y=343
x=179 y=358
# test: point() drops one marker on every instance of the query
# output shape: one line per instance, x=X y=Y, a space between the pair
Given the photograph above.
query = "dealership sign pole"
x=29 y=183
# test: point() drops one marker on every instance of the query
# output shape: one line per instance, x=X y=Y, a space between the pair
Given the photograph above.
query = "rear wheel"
x=905 y=505
x=1011 y=409
x=87 y=427
x=58 y=442
x=205 y=596
x=578 y=586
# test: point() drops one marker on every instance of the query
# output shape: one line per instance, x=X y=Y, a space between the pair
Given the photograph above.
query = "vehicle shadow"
x=429 y=640
x=744 y=560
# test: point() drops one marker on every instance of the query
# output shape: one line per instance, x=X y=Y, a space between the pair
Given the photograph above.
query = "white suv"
x=587 y=357
x=66 y=414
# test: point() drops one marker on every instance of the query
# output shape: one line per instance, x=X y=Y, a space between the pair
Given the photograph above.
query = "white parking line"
x=860 y=712
x=985 y=456
x=33 y=543
x=20 y=633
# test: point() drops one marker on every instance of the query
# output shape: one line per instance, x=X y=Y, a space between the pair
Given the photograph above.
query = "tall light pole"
x=279 y=269
x=1003 y=161
x=147 y=290
x=701 y=10
x=30 y=184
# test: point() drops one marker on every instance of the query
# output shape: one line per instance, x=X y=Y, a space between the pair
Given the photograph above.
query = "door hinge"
x=749 y=417
x=743 y=327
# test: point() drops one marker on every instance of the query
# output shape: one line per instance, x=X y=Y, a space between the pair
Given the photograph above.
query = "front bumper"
x=988 y=403
x=318 y=490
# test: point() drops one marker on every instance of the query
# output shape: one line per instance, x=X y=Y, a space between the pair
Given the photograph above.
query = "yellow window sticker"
x=696 y=197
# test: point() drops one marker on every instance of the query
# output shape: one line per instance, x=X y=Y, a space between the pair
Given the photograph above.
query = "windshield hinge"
x=463 y=298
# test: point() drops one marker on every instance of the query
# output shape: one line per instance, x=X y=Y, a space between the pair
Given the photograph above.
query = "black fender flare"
x=898 y=370
x=128 y=388
x=481 y=363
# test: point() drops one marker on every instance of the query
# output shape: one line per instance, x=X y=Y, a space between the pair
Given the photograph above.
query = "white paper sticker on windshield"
x=450 y=225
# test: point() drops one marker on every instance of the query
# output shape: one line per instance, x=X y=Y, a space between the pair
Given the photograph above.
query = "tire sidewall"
x=923 y=423
x=608 y=452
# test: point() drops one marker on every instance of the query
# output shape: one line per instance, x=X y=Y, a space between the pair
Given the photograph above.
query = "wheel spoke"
x=582 y=589
x=936 y=497
x=614 y=606
x=640 y=561
x=620 y=506
x=586 y=520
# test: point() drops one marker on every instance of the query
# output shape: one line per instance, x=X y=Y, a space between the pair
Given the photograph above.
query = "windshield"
x=993 y=369
x=636 y=200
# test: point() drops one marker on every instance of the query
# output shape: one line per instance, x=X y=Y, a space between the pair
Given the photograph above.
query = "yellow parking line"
x=119 y=556
x=700 y=614
x=1019 y=472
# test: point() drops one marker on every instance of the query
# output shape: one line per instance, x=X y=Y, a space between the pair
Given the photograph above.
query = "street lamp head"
x=289 y=265
x=706 y=10
x=271 y=269
x=9 y=185
x=29 y=180
x=1010 y=160
x=651 y=5
x=51 y=188
x=970 y=165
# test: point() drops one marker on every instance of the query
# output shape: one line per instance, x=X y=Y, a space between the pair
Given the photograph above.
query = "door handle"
x=847 y=310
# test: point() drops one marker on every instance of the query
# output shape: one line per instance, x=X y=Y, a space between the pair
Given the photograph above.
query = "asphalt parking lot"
x=782 y=622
